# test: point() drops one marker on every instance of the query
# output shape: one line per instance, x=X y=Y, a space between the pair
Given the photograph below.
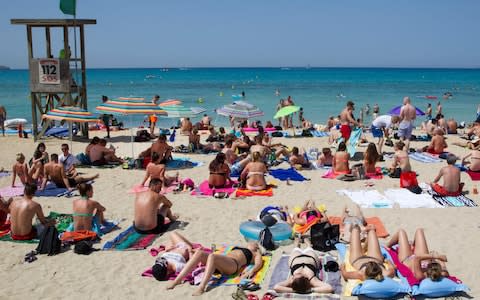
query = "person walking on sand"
x=3 y=117
x=408 y=114
x=347 y=120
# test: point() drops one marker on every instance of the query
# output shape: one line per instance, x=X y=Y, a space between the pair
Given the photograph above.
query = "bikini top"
x=312 y=267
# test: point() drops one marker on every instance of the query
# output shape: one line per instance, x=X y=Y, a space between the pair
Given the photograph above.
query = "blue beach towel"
x=424 y=157
x=51 y=190
x=353 y=140
x=284 y=174
x=181 y=163
x=318 y=133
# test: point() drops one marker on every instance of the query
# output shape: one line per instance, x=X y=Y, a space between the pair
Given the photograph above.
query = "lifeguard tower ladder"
x=51 y=80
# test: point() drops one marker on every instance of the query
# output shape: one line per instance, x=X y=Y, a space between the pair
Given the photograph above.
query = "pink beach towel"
x=330 y=174
x=205 y=190
x=11 y=191
x=377 y=175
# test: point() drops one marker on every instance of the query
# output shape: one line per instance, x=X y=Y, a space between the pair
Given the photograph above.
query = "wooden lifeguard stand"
x=51 y=80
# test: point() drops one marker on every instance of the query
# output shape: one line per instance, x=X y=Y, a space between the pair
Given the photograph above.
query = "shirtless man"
x=22 y=212
x=20 y=169
x=437 y=144
x=452 y=126
x=347 y=120
x=151 y=208
x=441 y=122
x=55 y=172
x=298 y=159
x=85 y=210
x=408 y=114
x=186 y=126
x=101 y=155
x=205 y=121
x=3 y=117
x=401 y=161
x=451 y=179
x=161 y=147
x=260 y=148
x=474 y=163
x=156 y=170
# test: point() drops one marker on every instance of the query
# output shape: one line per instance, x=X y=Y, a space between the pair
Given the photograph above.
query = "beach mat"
x=379 y=226
x=475 y=176
x=129 y=239
x=8 y=191
x=235 y=278
x=455 y=201
x=268 y=192
x=204 y=190
x=287 y=174
x=424 y=157
x=51 y=190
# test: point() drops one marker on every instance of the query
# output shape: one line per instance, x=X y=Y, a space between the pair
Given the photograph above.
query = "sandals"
x=30 y=256
x=249 y=286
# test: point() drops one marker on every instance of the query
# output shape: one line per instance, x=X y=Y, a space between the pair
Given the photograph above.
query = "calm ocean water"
x=320 y=91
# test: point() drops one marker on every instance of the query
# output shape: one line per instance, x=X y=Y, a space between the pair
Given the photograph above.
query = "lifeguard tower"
x=52 y=80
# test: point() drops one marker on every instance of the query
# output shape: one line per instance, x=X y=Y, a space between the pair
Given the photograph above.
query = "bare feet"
x=96 y=176
x=171 y=286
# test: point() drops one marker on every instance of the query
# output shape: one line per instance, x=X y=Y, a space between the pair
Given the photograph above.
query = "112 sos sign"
x=49 y=71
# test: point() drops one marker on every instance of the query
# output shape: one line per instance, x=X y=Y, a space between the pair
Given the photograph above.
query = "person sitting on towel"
x=156 y=170
x=253 y=175
x=326 y=158
x=305 y=265
x=93 y=142
x=101 y=155
x=437 y=144
x=226 y=264
x=174 y=257
x=20 y=169
x=163 y=150
x=417 y=257
x=219 y=172
x=340 y=160
x=22 y=210
x=401 y=161
x=55 y=172
x=370 y=159
x=151 y=208
x=85 y=210
x=451 y=179
x=474 y=163
x=371 y=265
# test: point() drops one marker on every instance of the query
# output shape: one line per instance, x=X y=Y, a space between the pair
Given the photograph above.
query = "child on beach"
x=20 y=169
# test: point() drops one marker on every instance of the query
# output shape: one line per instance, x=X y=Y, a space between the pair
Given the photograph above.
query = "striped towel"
x=130 y=240
x=424 y=157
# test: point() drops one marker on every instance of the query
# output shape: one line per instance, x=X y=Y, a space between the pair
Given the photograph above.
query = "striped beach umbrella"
x=178 y=111
x=130 y=107
x=71 y=114
x=170 y=102
x=242 y=110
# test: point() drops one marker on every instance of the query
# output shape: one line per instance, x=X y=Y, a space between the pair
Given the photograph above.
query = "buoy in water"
x=200 y=100
x=220 y=94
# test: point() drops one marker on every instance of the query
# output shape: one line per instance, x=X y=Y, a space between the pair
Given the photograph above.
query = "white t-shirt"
x=68 y=161
x=384 y=121
x=176 y=259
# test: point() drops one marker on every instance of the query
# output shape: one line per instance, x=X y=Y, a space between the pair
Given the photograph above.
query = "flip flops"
x=249 y=286
x=30 y=256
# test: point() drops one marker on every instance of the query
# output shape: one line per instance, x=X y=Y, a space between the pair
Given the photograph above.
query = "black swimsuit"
x=248 y=256
x=312 y=267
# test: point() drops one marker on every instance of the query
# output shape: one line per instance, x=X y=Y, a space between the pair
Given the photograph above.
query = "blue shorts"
x=376 y=132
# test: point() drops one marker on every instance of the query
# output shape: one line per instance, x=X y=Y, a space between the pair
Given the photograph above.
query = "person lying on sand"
x=422 y=262
x=474 y=144
x=156 y=170
x=85 y=210
x=308 y=213
x=253 y=175
x=228 y=264
x=349 y=220
x=305 y=265
x=451 y=179
x=20 y=169
x=55 y=172
x=22 y=211
x=151 y=209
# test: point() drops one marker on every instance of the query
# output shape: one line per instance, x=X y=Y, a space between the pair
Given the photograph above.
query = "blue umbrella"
x=396 y=111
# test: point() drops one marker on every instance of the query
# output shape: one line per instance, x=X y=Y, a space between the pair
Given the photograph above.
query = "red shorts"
x=30 y=236
x=443 y=192
x=432 y=151
x=346 y=131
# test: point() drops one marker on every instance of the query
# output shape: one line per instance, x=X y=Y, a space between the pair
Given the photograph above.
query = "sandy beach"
x=116 y=274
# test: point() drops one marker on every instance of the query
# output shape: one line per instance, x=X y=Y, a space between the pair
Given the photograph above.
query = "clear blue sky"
x=242 y=33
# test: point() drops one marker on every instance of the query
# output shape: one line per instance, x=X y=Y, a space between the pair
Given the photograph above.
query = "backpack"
x=265 y=238
x=49 y=243
x=324 y=236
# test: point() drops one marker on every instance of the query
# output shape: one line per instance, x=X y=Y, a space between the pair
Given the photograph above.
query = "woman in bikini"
x=349 y=220
x=371 y=265
x=474 y=163
x=175 y=256
x=254 y=174
x=370 y=159
x=219 y=172
x=308 y=213
x=20 y=169
x=304 y=268
x=228 y=264
x=340 y=160
x=401 y=161
x=85 y=210
x=422 y=262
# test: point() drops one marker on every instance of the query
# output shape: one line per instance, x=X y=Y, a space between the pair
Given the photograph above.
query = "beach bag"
x=324 y=236
x=265 y=238
x=306 y=133
x=277 y=134
x=408 y=179
x=49 y=243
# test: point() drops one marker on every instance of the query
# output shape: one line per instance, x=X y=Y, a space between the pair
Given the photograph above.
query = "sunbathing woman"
x=401 y=161
x=369 y=266
x=308 y=213
x=254 y=174
x=175 y=256
x=340 y=160
x=219 y=172
x=349 y=220
x=417 y=258
x=85 y=210
x=304 y=268
x=370 y=159
x=20 y=169
x=474 y=163
x=228 y=264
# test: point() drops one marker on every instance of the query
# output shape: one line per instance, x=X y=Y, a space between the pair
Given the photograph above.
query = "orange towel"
x=305 y=227
x=244 y=192
x=380 y=228
x=79 y=235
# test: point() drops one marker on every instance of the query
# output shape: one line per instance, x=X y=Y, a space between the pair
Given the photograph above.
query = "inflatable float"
x=251 y=229
x=13 y=123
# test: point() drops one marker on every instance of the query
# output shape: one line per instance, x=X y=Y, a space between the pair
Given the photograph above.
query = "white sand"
x=108 y=275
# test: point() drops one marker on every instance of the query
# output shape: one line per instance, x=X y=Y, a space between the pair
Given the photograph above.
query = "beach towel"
x=318 y=133
x=268 y=192
x=456 y=201
x=353 y=140
x=51 y=190
x=305 y=227
x=281 y=272
x=330 y=174
x=284 y=174
x=9 y=191
x=377 y=175
x=97 y=228
x=4 y=223
x=379 y=227
x=235 y=278
x=204 y=190
x=475 y=176
x=129 y=239
x=424 y=157
x=406 y=199
x=79 y=235
x=367 y=198
x=5 y=173
x=181 y=163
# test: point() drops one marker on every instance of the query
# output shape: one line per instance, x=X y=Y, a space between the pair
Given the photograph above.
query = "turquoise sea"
x=320 y=91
